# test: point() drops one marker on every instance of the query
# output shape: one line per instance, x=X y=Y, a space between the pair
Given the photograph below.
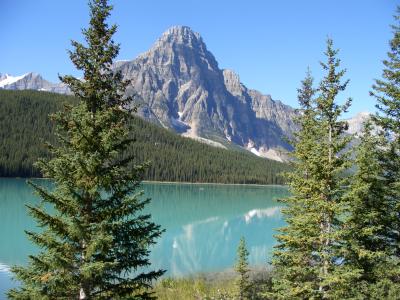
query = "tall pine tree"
x=387 y=93
x=307 y=259
x=294 y=252
x=367 y=223
x=96 y=243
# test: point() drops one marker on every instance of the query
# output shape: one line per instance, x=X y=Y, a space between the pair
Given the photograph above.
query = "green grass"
x=194 y=288
x=219 y=286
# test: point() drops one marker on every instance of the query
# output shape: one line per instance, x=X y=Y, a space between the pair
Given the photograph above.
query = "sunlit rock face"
x=181 y=87
x=356 y=123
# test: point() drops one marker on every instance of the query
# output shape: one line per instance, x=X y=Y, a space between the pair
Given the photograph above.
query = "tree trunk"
x=326 y=224
x=83 y=292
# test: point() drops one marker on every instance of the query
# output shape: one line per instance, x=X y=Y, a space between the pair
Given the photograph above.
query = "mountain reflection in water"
x=203 y=225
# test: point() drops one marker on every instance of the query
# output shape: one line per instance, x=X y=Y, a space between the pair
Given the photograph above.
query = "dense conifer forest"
x=25 y=127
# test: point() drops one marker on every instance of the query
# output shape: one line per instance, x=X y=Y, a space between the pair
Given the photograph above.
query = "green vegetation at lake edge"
x=25 y=125
x=222 y=286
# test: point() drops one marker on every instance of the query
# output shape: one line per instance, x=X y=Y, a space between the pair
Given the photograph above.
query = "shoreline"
x=174 y=182
x=226 y=273
x=212 y=183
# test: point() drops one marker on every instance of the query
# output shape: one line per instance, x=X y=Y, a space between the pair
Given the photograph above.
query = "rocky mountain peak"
x=356 y=123
x=179 y=51
x=33 y=76
x=181 y=35
x=362 y=115
x=181 y=45
x=31 y=81
x=181 y=87
x=7 y=79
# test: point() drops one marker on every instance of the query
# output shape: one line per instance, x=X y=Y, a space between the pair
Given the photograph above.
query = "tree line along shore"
x=25 y=125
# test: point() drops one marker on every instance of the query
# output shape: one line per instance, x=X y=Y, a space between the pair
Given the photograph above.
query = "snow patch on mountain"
x=8 y=79
x=255 y=151
x=266 y=153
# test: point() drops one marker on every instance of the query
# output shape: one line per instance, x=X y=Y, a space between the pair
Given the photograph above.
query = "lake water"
x=203 y=225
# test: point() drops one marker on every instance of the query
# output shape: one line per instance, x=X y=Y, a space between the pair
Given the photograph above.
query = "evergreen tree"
x=242 y=268
x=291 y=260
x=367 y=223
x=307 y=258
x=387 y=93
x=96 y=243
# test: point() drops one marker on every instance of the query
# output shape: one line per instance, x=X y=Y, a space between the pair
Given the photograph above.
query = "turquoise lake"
x=203 y=225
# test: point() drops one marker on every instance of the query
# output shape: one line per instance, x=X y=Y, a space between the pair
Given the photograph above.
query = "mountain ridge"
x=31 y=81
x=179 y=85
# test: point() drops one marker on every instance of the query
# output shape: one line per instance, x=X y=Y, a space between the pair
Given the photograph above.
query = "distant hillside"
x=181 y=87
x=24 y=126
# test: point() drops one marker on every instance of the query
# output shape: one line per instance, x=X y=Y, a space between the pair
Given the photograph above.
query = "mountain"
x=178 y=85
x=356 y=123
x=31 y=81
x=181 y=87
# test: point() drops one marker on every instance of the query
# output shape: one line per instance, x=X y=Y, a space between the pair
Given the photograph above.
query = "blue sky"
x=268 y=43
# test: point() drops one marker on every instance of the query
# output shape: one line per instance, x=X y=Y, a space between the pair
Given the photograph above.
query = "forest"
x=25 y=126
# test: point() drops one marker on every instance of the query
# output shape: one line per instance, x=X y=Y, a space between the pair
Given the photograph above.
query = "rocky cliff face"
x=356 y=123
x=182 y=88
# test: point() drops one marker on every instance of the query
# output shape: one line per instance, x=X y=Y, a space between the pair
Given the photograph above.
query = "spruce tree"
x=292 y=257
x=307 y=258
x=242 y=268
x=387 y=93
x=95 y=244
x=368 y=224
